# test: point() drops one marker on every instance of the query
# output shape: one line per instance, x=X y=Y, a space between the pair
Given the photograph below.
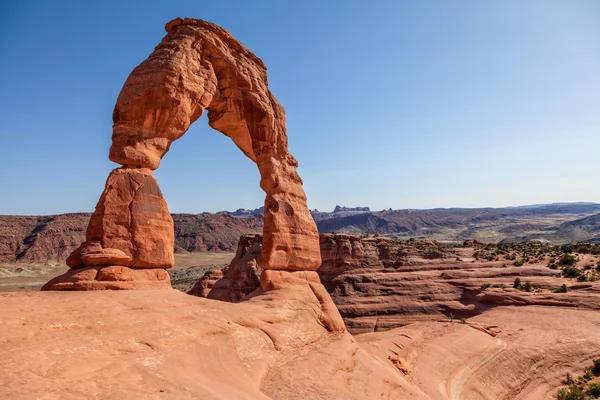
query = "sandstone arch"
x=198 y=66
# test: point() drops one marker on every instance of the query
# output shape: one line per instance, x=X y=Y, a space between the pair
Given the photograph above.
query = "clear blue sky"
x=402 y=104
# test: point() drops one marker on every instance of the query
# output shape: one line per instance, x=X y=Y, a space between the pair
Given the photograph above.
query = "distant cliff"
x=53 y=238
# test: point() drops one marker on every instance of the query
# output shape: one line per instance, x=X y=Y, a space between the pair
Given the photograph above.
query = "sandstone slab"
x=110 y=278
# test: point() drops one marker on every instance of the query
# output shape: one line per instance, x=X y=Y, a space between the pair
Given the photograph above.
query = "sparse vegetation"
x=572 y=393
x=567 y=259
x=570 y=272
x=562 y=289
x=594 y=389
x=517 y=284
x=581 y=388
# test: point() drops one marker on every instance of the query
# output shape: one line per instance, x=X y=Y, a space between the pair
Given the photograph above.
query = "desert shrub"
x=582 y=278
x=528 y=287
x=570 y=272
x=552 y=266
x=562 y=289
x=594 y=389
x=566 y=248
x=583 y=249
x=517 y=283
x=567 y=259
x=486 y=285
x=568 y=379
x=572 y=393
x=596 y=367
x=588 y=375
x=518 y=263
x=463 y=321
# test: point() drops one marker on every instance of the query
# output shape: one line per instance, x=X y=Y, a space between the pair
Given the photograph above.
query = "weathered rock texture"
x=112 y=278
x=201 y=66
x=240 y=278
x=197 y=66
x=379 y=284
x=166 y=345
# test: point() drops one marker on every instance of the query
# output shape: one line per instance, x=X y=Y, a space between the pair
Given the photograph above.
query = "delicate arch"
x=197 y=66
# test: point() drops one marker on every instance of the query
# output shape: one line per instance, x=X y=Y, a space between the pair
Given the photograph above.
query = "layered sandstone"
x=164 y=344
x=198 y=66
x=111 y=278
x=379 y=284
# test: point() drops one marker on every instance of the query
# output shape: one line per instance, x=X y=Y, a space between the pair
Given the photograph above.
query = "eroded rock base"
x=308 y=282
x=110 y=278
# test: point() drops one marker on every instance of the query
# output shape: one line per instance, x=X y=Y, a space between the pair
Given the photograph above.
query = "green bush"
x=528 y=287
x=517 y=284
x=572 y=393
x=570 y=272
x=596 y=367
x=567 y=259
x=594 y=389
x=562 y=289
x=518 y=263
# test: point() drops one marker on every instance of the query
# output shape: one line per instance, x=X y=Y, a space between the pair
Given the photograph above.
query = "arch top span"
x=197 y=66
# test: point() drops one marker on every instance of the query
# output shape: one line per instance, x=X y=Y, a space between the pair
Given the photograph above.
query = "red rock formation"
x=201 y=66
x=131 y=226
x=112 y=278
x=197 y=66
x=379 y=284
x=205 y=285
x=240 y=278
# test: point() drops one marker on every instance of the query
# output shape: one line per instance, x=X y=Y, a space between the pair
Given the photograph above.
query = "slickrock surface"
x=379 y=284
x=167 y=345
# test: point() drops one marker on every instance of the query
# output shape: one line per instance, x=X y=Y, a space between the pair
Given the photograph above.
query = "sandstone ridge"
x=380 y=284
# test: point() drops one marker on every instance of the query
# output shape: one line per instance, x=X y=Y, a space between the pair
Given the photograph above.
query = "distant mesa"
x=341 y=208
x=243 y=212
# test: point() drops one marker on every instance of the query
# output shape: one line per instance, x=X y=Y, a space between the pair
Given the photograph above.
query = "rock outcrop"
x=167 y=345
x=198 y=66
x=380 y=284
x=240 y=278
